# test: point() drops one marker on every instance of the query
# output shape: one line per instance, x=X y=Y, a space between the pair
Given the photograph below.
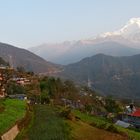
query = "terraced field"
x=84 y=131
x=48 y=124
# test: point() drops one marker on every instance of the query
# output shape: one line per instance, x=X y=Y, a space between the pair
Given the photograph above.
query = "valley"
x=70 y=70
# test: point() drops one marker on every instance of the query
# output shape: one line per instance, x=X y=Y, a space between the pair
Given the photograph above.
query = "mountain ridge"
x=127 y=37
x=109 y=75
x=20 y=57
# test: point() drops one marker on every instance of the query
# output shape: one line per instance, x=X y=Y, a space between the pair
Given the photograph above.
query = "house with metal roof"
x=132 y=116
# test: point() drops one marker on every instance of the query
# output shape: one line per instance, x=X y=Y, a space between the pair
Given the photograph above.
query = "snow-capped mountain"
x=131 y=31
x=123 y=42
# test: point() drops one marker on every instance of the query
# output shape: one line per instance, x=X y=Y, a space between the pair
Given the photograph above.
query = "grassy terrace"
x=104 y=124
x=47 y=125
x=84 y=131
x=11 y=111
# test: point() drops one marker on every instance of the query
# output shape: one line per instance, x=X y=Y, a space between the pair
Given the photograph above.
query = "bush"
x=68 y=114
x=2 y=108
x=112 y=128
x=102 y=126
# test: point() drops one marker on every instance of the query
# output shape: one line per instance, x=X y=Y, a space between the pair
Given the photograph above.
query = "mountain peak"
x=134 y=21
x=131 y=30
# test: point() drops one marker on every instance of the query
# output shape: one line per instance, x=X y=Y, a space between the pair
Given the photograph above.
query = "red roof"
x=136 y=113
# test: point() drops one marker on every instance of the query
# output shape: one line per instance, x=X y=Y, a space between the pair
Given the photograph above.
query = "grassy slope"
x=100 y=122
x=48 y=125
x=84 y=131
x=14 y=110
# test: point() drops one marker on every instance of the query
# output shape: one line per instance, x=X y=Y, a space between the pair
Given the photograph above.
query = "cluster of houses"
x=130 y=117
x=21 y=81
x=3 y=81
x=2 y=89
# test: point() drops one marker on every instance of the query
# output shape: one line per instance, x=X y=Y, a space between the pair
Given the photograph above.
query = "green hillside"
x=11 y=111
x=117 y=76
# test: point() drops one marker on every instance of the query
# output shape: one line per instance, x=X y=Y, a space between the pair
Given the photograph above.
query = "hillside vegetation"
x=13 y=110
x=103 y=123
x=117 y=76
x=46 y=125
x=49 y=124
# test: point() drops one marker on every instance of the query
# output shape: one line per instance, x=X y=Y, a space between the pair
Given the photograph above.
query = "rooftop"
x=136 y=113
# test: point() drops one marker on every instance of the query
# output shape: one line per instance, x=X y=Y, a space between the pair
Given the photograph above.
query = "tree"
x=13 y=88
x=111 y=105
x=88 y=108
x=71 y=92
x=45 y=97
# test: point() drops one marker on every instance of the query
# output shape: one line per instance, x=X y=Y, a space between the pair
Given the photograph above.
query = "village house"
x=2 y=89
x=132 y=116
x=3 y=80
x=21 y=81
x=18 y=96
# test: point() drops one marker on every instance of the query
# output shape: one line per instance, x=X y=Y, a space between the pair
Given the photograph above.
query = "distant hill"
x=122 y=42
x=117 y=76
x=71 y=52
x=20 y=57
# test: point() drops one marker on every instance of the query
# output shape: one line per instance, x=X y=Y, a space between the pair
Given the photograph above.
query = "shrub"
x=102 y=126
x=2 y=108
x=68 y=114
x=112 y=128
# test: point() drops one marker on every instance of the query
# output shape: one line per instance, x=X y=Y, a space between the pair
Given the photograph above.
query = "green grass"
x=14 y=110
x=104 y=124
x=48 y=125
x=84 y=131
x=132 y=134
x=94 y=120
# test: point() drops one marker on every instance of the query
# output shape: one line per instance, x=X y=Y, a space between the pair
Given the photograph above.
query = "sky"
x=28 y=23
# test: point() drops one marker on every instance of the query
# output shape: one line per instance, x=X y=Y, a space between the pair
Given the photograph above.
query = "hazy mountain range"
x=123 y=42
x=116 y=72
x=117 y=76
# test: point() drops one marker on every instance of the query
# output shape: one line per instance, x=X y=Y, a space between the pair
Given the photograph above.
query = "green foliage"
x=112 y=128
x=88 y=108
x=48 y=125
x=2 y=107
x=99 y=122
x=48 y=85
x=111 y=105
x=105 y=124
x=13 y=88
x=44 y=97
x=90 y=119
x=43 y=86
x=14 y=110
x=67 y=113
x=70 y=90
x=56 y=88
